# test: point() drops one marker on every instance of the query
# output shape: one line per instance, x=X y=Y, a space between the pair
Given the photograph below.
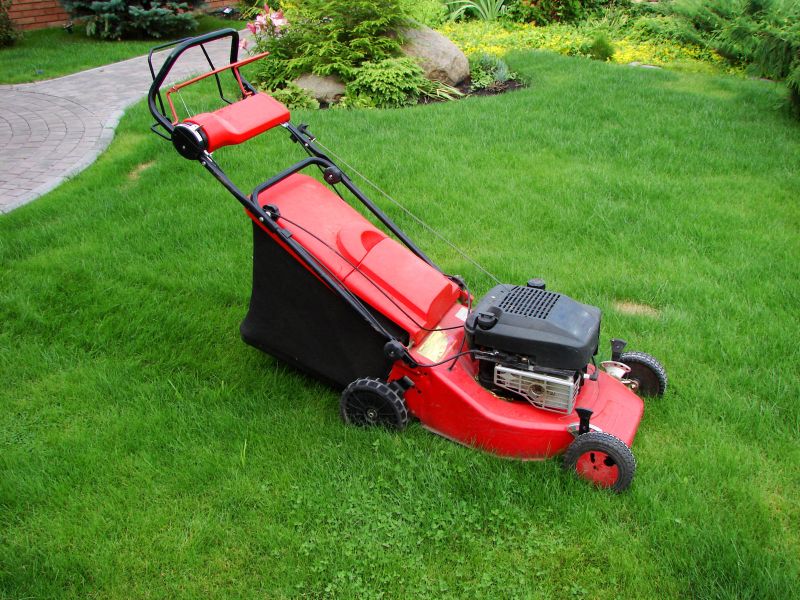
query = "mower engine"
x=533 y=344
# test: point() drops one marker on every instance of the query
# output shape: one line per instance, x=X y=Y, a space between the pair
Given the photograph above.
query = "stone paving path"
x=51 y=130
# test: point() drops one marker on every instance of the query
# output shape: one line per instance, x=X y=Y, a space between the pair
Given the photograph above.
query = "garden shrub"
x=763 y=35
x=294 y=97
x=330 y=37
x=393 y=83
x=8 y=31
x=246 y=6
x=389 y=83
x=426 y=12
x=793 y=81
x=543 y=12
x=357 y=41
x=600 y=48
x=115 y=19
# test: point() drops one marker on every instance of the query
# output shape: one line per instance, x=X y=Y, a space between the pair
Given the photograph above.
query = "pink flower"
x=244 y=43
x=278 y=20
x=261 y=22
x=252 y=27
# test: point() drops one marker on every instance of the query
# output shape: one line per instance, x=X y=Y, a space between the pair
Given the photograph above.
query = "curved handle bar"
x=169 y=63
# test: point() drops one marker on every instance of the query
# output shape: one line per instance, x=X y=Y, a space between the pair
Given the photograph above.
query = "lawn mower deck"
x=366 y=310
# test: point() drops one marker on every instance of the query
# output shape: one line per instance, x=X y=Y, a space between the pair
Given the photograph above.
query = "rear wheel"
x=648 y=373
x=602 y=459
x=373 y=403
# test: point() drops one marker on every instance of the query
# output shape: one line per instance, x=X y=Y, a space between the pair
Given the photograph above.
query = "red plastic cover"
x=240 y=121
x=380 y=271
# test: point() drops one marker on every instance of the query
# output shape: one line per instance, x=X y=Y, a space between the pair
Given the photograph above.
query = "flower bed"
x=498 y=39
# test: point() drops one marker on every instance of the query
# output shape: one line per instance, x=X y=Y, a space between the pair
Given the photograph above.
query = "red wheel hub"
x=597 y=467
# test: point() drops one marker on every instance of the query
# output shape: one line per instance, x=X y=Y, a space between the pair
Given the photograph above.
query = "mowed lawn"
x=147 y=452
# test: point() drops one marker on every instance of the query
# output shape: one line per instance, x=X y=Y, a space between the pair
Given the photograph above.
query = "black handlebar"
x=181 y=47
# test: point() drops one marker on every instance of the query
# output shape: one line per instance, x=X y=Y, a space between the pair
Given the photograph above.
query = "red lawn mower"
x=364 y=309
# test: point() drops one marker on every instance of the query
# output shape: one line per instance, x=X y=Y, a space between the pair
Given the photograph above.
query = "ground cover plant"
x=53 y=52
x=145 y=451
x=475 y=37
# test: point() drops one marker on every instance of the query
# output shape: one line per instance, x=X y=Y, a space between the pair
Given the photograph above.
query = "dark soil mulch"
x=493 y=90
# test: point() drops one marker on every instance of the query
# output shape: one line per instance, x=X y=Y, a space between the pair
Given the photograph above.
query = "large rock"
x=327 y=90
x=439 y=57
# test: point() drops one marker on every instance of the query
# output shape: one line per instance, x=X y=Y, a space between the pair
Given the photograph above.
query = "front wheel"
x=602 y=459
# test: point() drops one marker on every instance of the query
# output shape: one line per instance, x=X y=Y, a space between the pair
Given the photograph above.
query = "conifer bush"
x=762 y=35
x=115 y=19
x=327 y=37
x=8 y=31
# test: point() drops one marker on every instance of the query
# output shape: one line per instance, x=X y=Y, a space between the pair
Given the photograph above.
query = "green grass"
x=145 y=451
x=49 y=53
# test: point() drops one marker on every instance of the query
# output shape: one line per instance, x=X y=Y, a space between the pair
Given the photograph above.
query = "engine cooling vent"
x=549 y=392
x=529 y=302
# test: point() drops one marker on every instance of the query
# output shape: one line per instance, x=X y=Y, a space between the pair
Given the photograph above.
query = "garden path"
x=51 y=130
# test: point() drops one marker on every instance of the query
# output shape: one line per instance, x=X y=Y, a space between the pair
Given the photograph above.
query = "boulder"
x=327 y=90
x=438 y=56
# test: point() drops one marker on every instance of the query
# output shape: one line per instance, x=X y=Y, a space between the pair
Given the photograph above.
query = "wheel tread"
x=385 y=391
x=603 y=442
x=651 y=362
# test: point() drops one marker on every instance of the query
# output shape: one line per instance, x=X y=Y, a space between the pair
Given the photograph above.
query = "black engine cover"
x=550 y=329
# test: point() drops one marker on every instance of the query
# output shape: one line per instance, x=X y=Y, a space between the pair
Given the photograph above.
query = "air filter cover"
x=550 y=329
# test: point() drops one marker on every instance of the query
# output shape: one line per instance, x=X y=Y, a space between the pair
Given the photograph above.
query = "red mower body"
x=363 y=308
x=447 y=399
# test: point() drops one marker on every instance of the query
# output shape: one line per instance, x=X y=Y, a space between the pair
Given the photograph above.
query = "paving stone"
x=51 y=130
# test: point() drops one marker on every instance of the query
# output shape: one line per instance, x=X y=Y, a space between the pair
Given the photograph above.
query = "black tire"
x=601 y=458
x=650 y=375
x=373 y=403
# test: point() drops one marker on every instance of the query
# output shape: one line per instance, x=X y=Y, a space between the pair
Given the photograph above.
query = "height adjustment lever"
x=303 y=128
x=584 y=414
x=617 y=346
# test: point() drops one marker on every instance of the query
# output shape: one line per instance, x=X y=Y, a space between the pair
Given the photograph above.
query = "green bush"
x=330 y=37
x=8 y=31
x=115 y=19
x=246 y=6
x=763 y=35
x=600 y=48
x=542 y=12
x=793 y=81
x=393 y=83
x=389 y=83
x=294 y=97
x=426 y=12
